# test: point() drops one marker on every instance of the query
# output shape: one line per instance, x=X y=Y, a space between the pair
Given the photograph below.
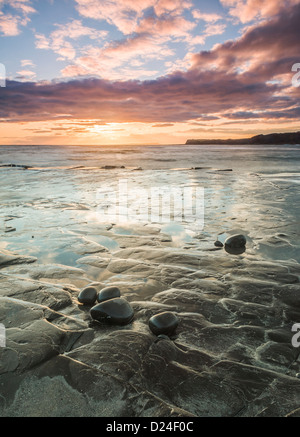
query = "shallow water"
x=57 y=205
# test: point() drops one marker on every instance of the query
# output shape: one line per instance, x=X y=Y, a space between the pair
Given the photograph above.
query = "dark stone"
x=88 y=296
x=108 y=293
x=235 y=250
x=219 y=243
x=236 y=242
x=163 y=323
x=114 y=311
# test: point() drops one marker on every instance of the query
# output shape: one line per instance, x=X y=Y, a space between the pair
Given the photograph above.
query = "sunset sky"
x=147 y=71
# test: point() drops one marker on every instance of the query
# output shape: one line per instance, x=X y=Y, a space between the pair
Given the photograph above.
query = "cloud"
x=148 y=27
x=174 y=98
x=9 y=25
x=163 y=125
x=27 y=63
x=249 y=10
x=120 y=59
x=121 y=13
x=15 y=16
x=208 y=17
x=237 y=80
x=58 y=39
x=26 y=74
x=264 y=52
x=126 y=14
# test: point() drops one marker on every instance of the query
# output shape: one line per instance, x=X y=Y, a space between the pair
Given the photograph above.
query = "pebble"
x=236 y=241
x=88 y=296
x=108 y=293
x=114 y=311
x=219 y=243
x=163 y=323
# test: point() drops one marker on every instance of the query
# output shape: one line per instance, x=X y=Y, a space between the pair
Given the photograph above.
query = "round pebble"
x=163 y=323
x=114 y=311
x=108 y=293
x=88 y=296
x=236 y=241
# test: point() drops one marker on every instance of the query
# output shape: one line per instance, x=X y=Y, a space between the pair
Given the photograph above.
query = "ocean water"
x=74 y=196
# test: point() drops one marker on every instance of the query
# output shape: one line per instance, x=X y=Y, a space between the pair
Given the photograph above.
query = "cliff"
x=282 y=138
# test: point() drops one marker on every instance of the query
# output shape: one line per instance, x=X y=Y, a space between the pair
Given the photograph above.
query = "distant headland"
x=282 y=138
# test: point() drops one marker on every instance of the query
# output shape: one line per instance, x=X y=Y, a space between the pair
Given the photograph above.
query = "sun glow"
x=106 y=128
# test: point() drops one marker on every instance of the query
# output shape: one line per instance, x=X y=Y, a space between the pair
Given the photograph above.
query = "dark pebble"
x=88 y=296
x=236 y=241
x=235 y=250
x=219 y=243
x=163 y=323
x=108 y=293
x=114 y=311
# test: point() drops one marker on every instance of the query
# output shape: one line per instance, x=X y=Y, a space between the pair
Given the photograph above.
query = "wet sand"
x=232 y=354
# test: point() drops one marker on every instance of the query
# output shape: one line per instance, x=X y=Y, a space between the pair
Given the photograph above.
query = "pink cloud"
x=146 y=36
x=121 y=13
x=121 y=58
x=171 y=6
x=127 y=14
x=57 y=41
x=172 y=26
x=208 y=17
x=10 y=23
x=248 y=10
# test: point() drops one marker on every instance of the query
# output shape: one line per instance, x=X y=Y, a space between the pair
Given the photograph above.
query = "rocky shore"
x=224 y=345
x=231 y=354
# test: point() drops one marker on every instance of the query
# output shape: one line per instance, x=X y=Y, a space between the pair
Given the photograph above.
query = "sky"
x=147 y=71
